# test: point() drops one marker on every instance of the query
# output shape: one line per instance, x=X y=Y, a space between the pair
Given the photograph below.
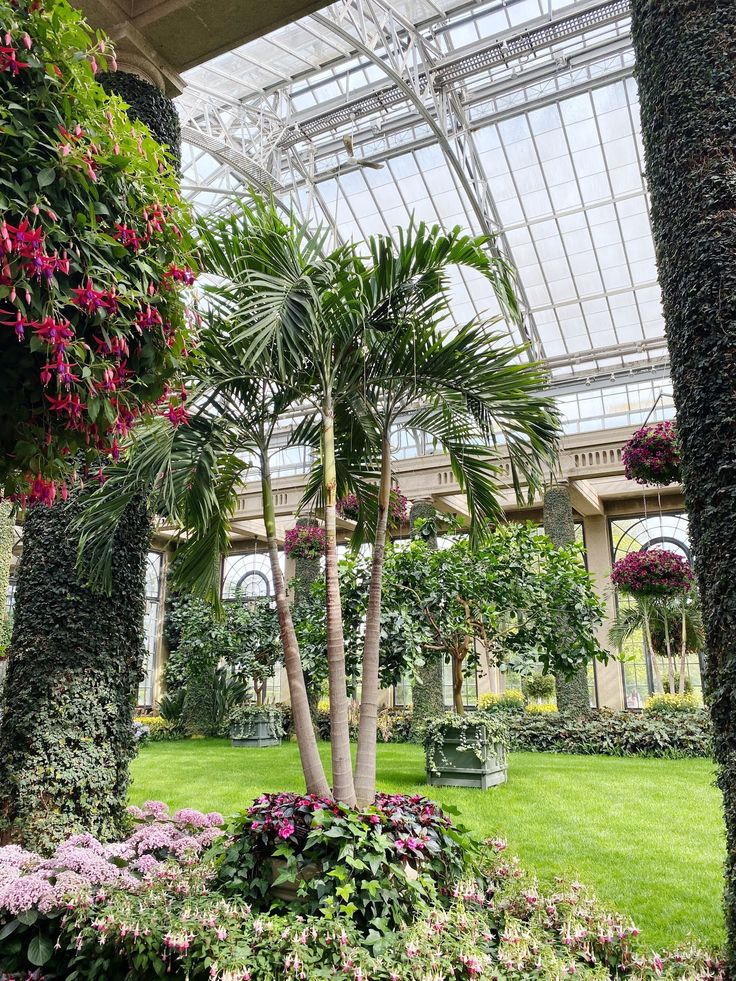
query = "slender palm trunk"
x=343 y=787
x=365 y=764
x=670 y=658
x=658 y=688
x=683 y=649
x=314 y=773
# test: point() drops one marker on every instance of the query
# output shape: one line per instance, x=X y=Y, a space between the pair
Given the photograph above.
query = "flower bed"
x=654 y=572
x=497 y=923
x=359 y=865
x=651 y=456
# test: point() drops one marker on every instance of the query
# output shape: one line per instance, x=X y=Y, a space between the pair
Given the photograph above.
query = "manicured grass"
x=645 y=834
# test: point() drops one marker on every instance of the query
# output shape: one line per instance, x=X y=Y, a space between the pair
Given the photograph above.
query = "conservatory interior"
x=367 y=490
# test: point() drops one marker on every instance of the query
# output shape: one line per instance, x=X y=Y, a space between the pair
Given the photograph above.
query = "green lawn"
x=646 y=834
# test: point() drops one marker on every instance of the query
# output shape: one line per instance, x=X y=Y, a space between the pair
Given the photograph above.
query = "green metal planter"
x=482 y=764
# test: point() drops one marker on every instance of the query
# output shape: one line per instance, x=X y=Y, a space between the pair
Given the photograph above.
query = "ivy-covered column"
x=66 y=738
x=306 y=572
x=428 y=698
x=686 y=68
x=573 y=697
x=142 y=87
x=6 y=558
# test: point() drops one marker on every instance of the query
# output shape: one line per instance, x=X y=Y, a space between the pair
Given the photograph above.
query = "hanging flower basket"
x=654 y=572
x=651 y=455
x=398 y=508
x=305 y=542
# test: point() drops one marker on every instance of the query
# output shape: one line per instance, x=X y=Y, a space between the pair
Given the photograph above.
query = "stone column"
x=573 y=697
x=428 y=695
x=609 y=679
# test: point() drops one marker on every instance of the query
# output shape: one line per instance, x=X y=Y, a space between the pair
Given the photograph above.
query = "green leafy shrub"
x=667 y=704
x=159 y=729
x=539 y=686
x=613 y=734
x=379 y=868
x=666 y=684
x=394 y=725
x=511 y=700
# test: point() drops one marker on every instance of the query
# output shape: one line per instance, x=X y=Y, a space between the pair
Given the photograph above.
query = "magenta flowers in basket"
x=305 y=542
x=654 y=572
x=651 y=455
x=398 y=508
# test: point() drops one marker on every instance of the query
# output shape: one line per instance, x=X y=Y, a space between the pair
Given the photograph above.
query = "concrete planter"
x=462 y=767
x=255 y=732
x=287 y=891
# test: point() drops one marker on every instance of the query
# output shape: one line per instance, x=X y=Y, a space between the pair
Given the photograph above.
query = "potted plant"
x=652 y=572
x=305 y=542
x=256 y=726
x=466 y=751
x=651 y=456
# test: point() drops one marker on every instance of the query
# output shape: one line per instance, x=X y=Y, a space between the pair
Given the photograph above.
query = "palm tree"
x=668 y=623
x=464 y=390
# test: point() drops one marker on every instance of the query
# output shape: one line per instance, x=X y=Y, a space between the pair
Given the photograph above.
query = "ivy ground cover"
x=644 y=834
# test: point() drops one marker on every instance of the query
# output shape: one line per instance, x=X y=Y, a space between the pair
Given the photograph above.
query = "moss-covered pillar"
x=142 y=86
x=66 y=737
x=573 y=697
x=686 y=69
x=306 y=572
x=6 y=560
x=428 y=698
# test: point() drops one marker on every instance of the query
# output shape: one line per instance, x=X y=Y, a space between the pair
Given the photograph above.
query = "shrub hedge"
x=608 y=733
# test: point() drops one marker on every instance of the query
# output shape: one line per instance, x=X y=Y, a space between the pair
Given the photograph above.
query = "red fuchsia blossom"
x=180 y=275
x=127 y=236
x=9 y=60
x=652 y=572
x=148 y=318
x=652 y=456
x=89 y=299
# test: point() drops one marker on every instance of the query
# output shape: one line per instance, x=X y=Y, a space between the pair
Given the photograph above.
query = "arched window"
x=247 y=575
x=668 y=531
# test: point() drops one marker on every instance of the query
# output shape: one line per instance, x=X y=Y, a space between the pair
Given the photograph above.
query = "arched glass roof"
x=516 y=117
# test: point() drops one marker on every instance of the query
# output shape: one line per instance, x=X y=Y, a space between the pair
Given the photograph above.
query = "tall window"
x=669 y=531
x=151 y=622
x=247 y=575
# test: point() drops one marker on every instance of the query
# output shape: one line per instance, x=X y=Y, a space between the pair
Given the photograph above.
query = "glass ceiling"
x=518 y=117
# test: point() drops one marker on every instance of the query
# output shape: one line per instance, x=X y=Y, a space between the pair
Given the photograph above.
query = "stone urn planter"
x=466 y=751
x=287 y=889
x=256 y=726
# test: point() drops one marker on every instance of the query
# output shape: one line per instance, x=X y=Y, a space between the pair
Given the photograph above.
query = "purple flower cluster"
x=398 y=509
x=651 y=455
x=305 y=542
x=652 y=572
x=30 y=881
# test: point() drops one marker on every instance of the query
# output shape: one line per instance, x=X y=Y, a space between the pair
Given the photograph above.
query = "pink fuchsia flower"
x=9 y=60
x=89 y=299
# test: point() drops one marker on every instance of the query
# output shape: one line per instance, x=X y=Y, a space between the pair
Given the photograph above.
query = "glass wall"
x=151 y=620
x=668 y=531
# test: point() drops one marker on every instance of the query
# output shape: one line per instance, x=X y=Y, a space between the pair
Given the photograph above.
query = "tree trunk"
x=457 y=681
x=76 y=657
x=683 y=648
x=573 y=696
x=342 y=769
x=314 y=773
x=365 y=764
x=428 y=695
x=658 y=687
x=686 y=66
x=670 y=658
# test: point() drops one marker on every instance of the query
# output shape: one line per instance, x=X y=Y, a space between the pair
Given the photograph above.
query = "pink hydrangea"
x=156 y=809
x=215 y=819
x=195 y=819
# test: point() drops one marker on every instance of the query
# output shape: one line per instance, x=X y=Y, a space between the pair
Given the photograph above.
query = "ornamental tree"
x=500 y=603
x=94 y=254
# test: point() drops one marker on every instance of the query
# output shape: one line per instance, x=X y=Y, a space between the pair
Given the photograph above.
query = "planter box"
x=462 y=768
x=287 y=890
x=257 y=735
